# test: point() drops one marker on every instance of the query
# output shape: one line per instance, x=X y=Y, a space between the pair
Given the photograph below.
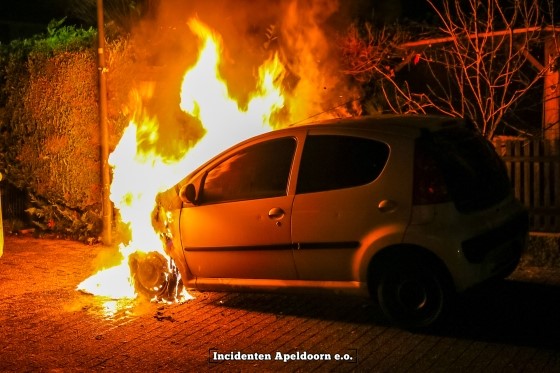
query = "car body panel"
x=328 y=241
x=239 y=239
x=291 y=286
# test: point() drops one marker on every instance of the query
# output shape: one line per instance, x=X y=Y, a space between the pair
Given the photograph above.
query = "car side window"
x=259 y=171
x=335 y=162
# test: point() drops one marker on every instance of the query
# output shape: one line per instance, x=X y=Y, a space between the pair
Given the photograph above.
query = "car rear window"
x=474 y=173
x=334 y=162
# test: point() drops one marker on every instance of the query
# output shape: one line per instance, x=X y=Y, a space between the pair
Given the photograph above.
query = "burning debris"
x=161 y=316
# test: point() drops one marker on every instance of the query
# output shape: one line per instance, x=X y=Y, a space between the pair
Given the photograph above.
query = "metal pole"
x=105 y=171
x=1 y=224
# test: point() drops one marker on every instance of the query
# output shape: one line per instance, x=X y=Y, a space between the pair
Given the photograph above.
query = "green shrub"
x=49 y=121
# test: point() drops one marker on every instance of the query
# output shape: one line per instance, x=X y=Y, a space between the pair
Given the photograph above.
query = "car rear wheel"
x=413 y=294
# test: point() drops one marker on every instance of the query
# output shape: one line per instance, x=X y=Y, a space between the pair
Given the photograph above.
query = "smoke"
x=302 y=32
x=307 y=43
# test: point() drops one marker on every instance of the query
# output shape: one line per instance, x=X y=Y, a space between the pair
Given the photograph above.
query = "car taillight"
x=429 y=183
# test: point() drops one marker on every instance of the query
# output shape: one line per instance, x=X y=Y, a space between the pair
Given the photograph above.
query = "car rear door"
x=345 y=196
x=241 y=227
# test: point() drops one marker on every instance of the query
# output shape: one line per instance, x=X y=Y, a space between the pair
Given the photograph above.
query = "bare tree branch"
x=479 y=66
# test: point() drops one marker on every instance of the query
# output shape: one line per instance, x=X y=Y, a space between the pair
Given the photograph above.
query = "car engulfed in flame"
x=380 y=206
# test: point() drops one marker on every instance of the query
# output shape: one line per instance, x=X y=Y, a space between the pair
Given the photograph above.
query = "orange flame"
x=204 y=94
x=138 y=176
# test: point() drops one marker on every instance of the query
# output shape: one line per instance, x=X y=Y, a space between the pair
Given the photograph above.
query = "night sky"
x=29 y=10
x=24 y=18
x=40 y=12
x=45 y=10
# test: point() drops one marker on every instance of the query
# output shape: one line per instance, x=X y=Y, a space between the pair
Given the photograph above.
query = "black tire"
x=414 y=294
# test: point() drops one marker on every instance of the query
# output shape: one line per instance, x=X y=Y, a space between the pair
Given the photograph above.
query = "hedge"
x=50 y=127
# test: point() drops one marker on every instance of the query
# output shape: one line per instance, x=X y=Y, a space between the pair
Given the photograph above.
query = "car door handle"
x=387 y=205
x=276 y=213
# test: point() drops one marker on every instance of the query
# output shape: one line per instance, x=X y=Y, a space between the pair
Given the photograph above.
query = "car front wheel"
x=413 y=294
x=153 y=277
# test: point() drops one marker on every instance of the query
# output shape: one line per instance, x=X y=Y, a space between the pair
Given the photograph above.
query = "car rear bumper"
x=499 y=251
x=501 y=244
x=475 y=247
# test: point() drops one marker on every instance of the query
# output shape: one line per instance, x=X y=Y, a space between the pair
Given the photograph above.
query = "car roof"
x=388 y=123
x=403 y=125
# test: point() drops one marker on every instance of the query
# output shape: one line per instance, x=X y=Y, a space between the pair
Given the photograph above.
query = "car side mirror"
x=188 y=194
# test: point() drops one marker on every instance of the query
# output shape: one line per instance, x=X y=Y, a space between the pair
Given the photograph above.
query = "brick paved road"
x=47 y=326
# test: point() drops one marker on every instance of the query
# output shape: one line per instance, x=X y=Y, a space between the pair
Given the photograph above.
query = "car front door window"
x=260 y=171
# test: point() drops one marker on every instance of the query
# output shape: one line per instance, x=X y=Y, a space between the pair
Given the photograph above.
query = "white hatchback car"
x=407 y=209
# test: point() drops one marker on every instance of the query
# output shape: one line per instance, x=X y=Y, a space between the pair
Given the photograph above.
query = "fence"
x=534 y=169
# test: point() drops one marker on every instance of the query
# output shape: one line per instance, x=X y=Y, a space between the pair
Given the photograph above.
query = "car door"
x=340 y=200
x=241 y=226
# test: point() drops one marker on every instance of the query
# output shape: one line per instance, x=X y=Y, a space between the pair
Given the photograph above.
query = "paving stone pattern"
x=47 y=326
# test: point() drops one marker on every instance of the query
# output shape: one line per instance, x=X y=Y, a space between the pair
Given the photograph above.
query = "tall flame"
x=205 y=95
x=139 y=175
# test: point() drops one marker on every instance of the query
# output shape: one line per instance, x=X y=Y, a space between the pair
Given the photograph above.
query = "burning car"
x=409 y=210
